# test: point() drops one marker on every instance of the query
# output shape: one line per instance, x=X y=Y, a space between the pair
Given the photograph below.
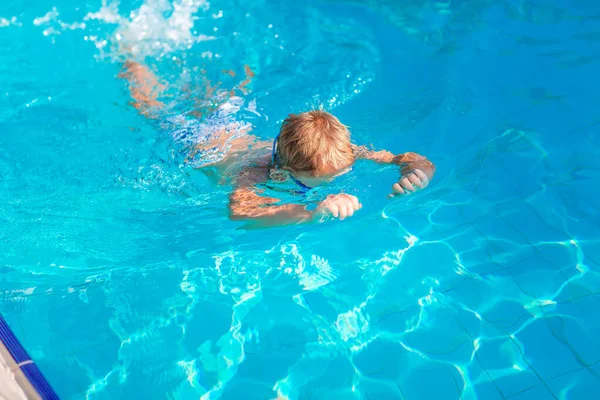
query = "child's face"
x=313 y=179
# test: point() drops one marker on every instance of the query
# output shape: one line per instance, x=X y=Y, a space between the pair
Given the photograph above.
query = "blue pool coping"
x=25 y=363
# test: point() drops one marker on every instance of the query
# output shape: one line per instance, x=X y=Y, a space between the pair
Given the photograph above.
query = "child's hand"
x=338 y=205
x=410 y=183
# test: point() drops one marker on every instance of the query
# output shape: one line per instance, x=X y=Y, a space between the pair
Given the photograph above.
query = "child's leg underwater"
x=208 y=134
x=219 y=135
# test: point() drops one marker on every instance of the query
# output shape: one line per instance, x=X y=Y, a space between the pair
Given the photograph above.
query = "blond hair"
x=314 y=141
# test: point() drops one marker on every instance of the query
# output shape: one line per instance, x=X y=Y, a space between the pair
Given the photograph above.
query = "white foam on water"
x=149 y=31
x=108 y=13
x=51 y=15
x=320 y=274
x=12 y=21
x=351 y=324
x=156 y=28
x=54 y=25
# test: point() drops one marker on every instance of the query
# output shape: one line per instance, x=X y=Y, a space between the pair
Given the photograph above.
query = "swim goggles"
x=278 y=175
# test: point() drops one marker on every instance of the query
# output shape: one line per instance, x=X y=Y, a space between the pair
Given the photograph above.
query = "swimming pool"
x=123 y=277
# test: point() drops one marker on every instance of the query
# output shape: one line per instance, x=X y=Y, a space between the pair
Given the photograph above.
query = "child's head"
x=314 y=144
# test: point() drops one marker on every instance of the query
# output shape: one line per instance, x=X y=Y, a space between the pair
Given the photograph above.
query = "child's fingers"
x=397 y=189
x=355 y=202
x=334 y=210
x=415 y=180
x=350 y=210
x=343 y=211
x=407 y=185
x=422 y=176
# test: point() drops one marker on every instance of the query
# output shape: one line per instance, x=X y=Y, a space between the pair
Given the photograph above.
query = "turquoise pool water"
x=123 y=277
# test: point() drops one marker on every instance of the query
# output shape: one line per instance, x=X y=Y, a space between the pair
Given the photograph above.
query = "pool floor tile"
x=550 y=349
x=504 y=364
x=432 y=381
x=575 y=385
x=539 y=392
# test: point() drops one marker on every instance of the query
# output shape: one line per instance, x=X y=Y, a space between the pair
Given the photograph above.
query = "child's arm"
x=416 y=171
x=246 y=204
x=143 y=87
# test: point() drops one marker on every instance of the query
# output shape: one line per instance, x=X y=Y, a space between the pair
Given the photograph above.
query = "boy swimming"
x=311 y=149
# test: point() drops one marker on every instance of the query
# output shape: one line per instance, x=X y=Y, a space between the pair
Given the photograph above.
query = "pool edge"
x=14 y=376
x=25 y=374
